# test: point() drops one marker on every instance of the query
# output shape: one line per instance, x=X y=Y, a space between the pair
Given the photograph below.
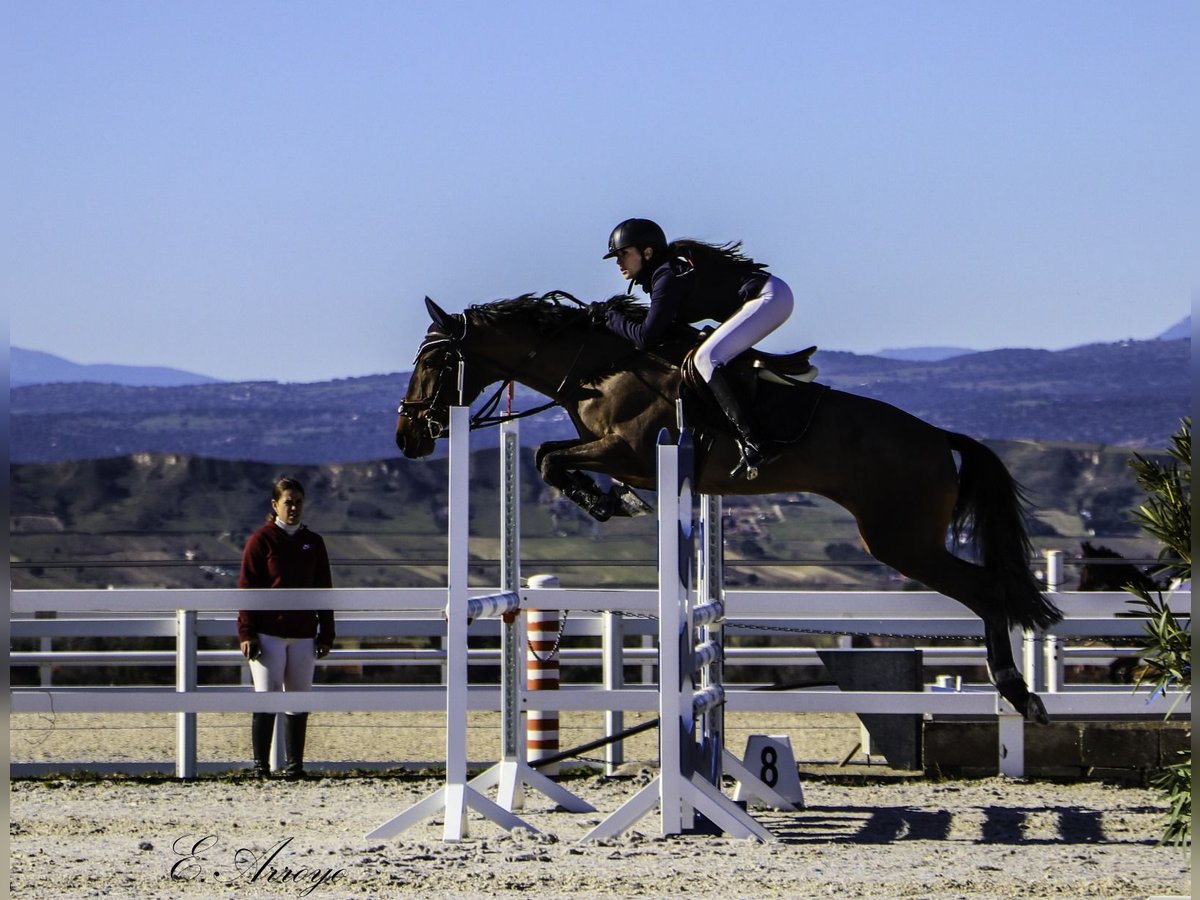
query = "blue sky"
x=267 y=190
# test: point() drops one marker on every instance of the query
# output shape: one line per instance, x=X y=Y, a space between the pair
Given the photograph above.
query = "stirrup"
x=751 y=459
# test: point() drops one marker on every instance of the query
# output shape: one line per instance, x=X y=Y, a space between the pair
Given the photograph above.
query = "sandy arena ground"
x=882 y=836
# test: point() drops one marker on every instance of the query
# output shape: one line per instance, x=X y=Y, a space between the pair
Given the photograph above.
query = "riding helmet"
x=635 y=233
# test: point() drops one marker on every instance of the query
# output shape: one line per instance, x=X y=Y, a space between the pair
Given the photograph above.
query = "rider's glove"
x=598 y=313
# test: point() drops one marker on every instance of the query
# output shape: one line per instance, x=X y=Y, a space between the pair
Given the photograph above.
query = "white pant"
x=758 y=317
x=285 y=664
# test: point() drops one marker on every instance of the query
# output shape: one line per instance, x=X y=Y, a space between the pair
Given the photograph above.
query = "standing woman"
x=284 y=645
x=691 y=281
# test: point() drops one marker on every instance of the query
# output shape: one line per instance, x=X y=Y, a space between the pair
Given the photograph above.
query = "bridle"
x=452 y=372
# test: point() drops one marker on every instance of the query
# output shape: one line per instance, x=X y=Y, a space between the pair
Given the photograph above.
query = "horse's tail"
x=990 y=510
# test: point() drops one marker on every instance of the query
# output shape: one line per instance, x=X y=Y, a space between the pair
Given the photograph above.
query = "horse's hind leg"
x=1007 y=677
x=979 y=590
x=983 y=593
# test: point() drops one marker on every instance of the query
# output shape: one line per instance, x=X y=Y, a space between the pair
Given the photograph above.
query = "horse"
x=1103 y=569
x=893 y=472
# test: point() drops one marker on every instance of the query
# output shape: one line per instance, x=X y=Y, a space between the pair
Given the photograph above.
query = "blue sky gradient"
x=267 y=190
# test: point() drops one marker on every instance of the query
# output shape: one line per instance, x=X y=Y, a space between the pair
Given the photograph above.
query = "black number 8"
x=770 y=774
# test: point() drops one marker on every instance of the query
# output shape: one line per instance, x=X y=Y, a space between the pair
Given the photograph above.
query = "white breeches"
x=285 y=664
x=758 y=317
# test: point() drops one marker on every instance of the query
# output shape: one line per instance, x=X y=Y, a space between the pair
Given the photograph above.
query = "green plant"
x=1167 y=657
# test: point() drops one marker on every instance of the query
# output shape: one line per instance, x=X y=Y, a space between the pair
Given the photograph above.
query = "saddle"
x=771 y=384
x=781 y=368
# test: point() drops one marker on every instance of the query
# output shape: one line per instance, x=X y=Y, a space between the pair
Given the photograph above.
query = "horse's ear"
x=446 y=323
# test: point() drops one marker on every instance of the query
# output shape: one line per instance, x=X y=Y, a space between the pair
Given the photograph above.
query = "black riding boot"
x=749 y=447
x=262 y=728
x=295 y=725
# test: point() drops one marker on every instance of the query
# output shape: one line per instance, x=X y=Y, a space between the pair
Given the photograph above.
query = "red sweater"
x=275 y=559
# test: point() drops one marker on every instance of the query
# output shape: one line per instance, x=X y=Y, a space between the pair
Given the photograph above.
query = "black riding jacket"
x=679 y=292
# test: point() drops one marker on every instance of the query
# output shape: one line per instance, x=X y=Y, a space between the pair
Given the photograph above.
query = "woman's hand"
x=598 y=313
x=251 y=649
x=323 y=650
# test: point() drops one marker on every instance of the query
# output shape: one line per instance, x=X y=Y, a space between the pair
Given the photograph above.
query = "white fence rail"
x=372 y=613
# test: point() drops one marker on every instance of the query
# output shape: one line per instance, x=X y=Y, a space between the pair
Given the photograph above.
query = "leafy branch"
x=1167 y=516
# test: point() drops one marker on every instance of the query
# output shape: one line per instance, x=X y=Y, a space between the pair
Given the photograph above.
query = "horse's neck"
x=552 y=364
x=541 y=365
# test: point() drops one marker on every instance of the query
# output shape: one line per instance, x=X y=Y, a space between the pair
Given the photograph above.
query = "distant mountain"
x=1131 y=394
x=36 y=367
x=1179 y=331
x=924 y=354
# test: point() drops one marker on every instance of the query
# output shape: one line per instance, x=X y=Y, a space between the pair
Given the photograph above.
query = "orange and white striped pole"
x=541 y=674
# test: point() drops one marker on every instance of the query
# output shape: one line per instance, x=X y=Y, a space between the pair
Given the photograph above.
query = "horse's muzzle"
x=416 y=436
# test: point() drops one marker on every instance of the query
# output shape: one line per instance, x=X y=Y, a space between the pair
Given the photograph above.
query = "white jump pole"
x=679 y=790
x=456 y=795
x=513 y=773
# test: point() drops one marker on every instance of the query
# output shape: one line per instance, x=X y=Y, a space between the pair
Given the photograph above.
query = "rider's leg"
x=749 y=445
x=757 y=318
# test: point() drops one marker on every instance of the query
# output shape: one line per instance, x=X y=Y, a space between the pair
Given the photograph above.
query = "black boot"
x=262 y=728
x=295 y=725
x=748 y=445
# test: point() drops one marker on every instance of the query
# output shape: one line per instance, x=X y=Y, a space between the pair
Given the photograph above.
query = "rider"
x=689 y=281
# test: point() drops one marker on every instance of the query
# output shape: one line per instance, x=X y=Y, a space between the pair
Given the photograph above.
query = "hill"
x=36 y=367
x=923 y=354
x=1131 y=394
x=74 y=524
x=1181 y=330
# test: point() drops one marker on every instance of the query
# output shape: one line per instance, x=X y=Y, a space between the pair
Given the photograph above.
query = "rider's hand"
x=598 y=313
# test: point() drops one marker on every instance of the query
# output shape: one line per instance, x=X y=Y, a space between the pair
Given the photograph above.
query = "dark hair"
x=713 y=256
x=286 y=483
x=280 y=486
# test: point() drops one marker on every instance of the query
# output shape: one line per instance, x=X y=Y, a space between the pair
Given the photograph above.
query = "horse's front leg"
x=560 y=462
x=552 y=447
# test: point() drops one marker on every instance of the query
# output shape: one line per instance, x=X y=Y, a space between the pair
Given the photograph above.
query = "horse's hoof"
x=1035 y=711
x=629 y=503
x=601 y=508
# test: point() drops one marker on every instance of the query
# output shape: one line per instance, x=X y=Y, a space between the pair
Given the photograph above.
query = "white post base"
x=695 y=793
x=511 y=777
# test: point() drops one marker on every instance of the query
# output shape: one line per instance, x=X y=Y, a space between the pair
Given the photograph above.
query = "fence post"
x=185 y=682
x=46 y=644
x=612 y=646
x=1052 y=661
x=1054 y=570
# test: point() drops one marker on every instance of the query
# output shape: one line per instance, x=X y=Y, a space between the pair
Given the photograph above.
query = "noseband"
x=453 y=363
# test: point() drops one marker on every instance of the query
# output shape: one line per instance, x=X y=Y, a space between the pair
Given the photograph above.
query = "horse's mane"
x=547 y=312
x=553 y=315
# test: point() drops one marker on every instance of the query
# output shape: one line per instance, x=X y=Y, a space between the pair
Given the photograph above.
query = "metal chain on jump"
x=827 y=631
x=869 y=633
x=798 y=630
x=553 y=651
x=789 y=629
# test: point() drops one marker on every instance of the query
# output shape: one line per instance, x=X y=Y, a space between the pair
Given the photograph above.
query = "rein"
x=486 y=416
